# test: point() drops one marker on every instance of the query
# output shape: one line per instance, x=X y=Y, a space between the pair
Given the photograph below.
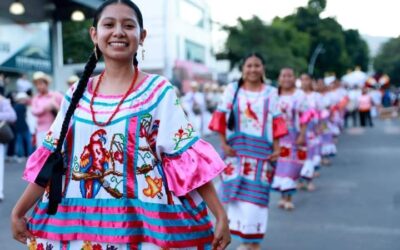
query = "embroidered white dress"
x=247 y=177
x=131 y=184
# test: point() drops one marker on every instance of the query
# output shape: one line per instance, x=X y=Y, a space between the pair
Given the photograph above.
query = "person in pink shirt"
x=364 y=108
x=44 y=106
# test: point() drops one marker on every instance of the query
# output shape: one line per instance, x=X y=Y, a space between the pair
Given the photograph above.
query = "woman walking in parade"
x=249 y=123
x=328 y=146
x=137 y=176
x=312 y=134
x=293 y=153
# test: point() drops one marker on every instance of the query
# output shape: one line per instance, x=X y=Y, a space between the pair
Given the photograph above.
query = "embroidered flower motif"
x=119 y=156
x=229 y=169
x=183 y=134
x=247 y=168
x=97 y=247
x=40 y=246
x=154 y=187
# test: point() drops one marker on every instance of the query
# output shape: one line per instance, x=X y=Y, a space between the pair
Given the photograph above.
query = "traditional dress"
x=312 y=136
x=292 y=156
x=131 y=184
x=328 y=147
x=247 y=177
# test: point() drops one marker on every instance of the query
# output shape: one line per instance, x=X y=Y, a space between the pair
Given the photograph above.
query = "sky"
x=370 y=17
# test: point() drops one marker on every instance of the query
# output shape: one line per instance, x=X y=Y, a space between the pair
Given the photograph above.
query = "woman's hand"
x=228 y=150
x=19 y=229
x=222 y=236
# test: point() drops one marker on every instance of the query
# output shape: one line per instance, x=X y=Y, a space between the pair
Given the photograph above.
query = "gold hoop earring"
x=143 y=52
x=95 y=52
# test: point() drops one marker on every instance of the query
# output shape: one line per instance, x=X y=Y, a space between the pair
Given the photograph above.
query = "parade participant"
x=293 y=151
x=312 y=134
x=44 y=106
x=364 y=108
x=137 y=176
x=249 y=123
x=194 y=104
x=328 y=147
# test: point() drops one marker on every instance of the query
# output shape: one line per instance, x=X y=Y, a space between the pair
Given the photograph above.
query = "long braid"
x=54 y=166
x=231 y=119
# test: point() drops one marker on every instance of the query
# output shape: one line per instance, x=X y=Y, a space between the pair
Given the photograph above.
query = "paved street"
x=356 y=205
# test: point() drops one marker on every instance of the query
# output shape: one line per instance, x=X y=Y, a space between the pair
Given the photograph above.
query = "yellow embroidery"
x=154 y=187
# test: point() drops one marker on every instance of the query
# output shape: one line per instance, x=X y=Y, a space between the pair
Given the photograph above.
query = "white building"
x=179 y=42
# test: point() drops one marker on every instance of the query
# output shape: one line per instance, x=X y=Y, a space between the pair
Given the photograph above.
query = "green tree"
x=341 y=51
x=279 y=43
x=388 y=60
x=357 y=49
x=77 y=44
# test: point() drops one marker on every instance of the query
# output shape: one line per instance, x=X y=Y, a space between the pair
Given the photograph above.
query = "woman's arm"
x=18 y=221
x=222 y=236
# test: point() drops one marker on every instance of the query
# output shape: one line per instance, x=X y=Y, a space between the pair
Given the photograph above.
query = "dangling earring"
x=95 y=52
x=143 y=51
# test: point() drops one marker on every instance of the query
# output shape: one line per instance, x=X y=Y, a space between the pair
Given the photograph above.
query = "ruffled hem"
x=279 y=127
x=35 y=163
x=193 y=168
x=218 y=122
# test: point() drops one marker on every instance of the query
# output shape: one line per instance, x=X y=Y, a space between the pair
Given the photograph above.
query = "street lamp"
x=77 y=16
x=17 y=8
x=318 y=50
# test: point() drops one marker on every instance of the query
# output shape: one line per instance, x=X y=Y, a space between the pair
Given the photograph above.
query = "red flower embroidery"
x=97 y=247
x=118 y=156
x=229 y=169
x=247 y=168
x=285 y=152
x=302 y=154
x=180 y=133
x=40 y=246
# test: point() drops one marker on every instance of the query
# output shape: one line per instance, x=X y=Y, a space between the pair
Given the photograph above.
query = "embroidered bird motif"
x=249 y=112
x=154 y=187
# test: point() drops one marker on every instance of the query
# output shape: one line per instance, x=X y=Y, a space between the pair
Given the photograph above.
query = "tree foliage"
x=280 y=44
x=292 y=40
x=388 y=60
x=77 y=44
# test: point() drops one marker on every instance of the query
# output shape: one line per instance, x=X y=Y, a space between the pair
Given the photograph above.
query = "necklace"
x=101 y=124
x=260 y=92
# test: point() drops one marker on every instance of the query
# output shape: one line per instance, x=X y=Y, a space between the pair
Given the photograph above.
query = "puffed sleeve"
x=303 y=109
x=188 y=162
x=220 y=116
x=36 y=161
x=279 y=128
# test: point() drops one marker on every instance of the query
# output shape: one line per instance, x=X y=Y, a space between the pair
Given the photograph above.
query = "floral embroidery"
x=247 y=168
x=93 y=165
x=32 y=244
x=40 y=246
x=154 y=187
x=111 y=247
x=87 y=245
x=229 y=169
x=97 y=247
x=149 y=133
x=50 y=141
x=182 y=135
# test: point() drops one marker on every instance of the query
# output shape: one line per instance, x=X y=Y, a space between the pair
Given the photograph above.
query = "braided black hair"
x=231 y=118
x=53 y=168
